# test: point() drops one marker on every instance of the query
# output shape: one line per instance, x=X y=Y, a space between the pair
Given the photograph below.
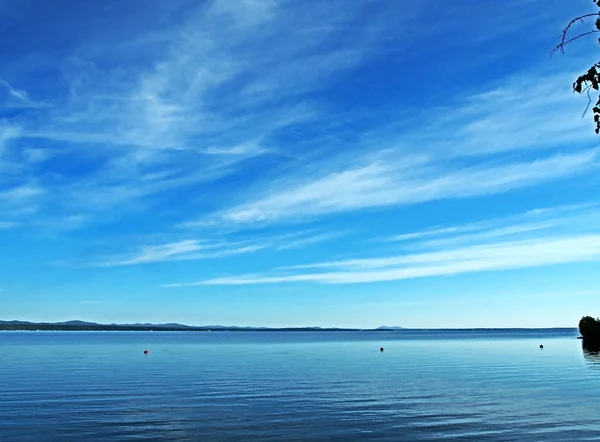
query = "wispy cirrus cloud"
x=491 y=234
x=196 y=249
x=468 y=233
x=20 y=199
x=530 y=221
x=400 y=181
x=212 y=96
x=465 y=148
x=18 y=194
x=492 y=257
x=283 y=141
x=521 y=113
x=8 y=132
x=223 y=78
x=436 y=232
x=11 y=98
x=187 y=106
x=532 y=239
x=178 y=251
x=300 y=241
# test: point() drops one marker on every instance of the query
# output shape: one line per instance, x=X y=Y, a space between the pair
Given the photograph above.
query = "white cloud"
x=434 y=232
x=230 y=76
x=536 y=117
x=400 y=181
x=487 y=235
x=18 y=203
x=492 y=257
x=13 y=98
x=193 y=249
x=8 y=132
x=212 y=94
x=524 y=112
x=558 y=235
x=308 y=240
x=521 y=113
x=21 y=193
x=163 y=252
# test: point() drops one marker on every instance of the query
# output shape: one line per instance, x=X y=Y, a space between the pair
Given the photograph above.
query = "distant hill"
x=389 y=328
x=77 y=325
x=147 y=324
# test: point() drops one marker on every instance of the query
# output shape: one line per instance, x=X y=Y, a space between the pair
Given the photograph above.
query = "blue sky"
x=288 y=163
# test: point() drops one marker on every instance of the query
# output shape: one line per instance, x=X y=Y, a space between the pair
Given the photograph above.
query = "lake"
x=220 y=386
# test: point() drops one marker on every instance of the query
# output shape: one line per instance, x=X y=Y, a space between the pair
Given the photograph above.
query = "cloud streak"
x=179 y=251
x=192 y=105
x=11 y=98
x=238 y=120
x=194 y=249
x=533 y=239
x=400 y=181
x=492 y=257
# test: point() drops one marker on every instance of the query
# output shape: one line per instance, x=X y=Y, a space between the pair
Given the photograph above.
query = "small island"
x=590 y=329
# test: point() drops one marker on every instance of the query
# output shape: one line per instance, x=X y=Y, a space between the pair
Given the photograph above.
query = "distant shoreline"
x=84 y=326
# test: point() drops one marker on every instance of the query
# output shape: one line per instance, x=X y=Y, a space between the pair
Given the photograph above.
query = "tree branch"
x=587 y=108
x=579 y=36
x=565 y=33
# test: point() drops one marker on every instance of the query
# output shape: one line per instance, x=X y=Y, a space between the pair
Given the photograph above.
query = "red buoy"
x=381 y=349
x=145 y=352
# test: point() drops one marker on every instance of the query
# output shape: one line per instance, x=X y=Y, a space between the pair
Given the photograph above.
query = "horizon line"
x=259 y=328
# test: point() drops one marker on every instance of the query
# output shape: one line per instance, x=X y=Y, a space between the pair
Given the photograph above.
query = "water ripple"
x=266 y=387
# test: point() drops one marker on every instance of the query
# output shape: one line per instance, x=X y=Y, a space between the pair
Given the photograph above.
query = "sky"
x=421 y=163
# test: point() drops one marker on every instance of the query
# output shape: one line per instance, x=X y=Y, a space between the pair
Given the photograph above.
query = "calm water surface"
x=470 y=385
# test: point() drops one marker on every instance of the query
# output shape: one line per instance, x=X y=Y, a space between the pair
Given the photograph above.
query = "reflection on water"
x=591 y=353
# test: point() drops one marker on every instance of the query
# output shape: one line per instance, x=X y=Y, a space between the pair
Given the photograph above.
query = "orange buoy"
x=381 y=349
x=146 y=352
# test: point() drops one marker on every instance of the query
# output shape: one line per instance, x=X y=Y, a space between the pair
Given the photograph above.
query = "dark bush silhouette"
x=590 y=328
